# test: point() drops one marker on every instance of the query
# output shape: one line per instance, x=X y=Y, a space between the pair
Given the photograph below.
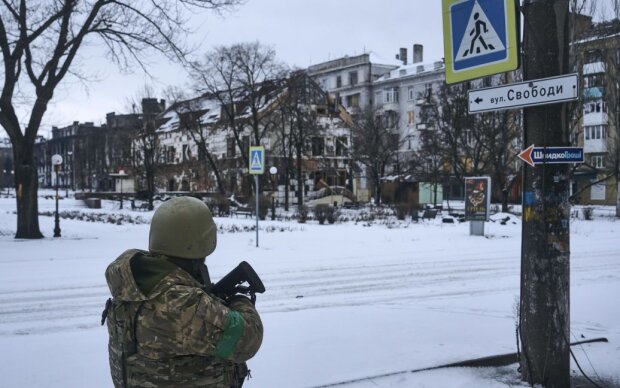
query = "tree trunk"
x=505 y=201
x=545 y=257
x=287 y=178
x=216 y=171
x=300 y=180
x=618 y=197
x=26 y=187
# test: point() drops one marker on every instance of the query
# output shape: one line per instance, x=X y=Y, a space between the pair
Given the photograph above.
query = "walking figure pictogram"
x=479 y=28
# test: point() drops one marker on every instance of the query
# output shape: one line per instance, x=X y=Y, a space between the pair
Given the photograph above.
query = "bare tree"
x=147 y=153
x=452 y=145
x=40 y=44
x=375 y=144
x=459 y=144
x=242 y=77
x=302 y=95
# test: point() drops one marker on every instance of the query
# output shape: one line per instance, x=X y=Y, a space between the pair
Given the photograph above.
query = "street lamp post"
x=56 y=162
x=273 y=171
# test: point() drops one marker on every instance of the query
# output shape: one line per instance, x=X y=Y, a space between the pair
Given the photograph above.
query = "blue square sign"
x=257 y=160
x=480 y=38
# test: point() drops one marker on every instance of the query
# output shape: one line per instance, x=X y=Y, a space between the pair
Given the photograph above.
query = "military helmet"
x=183 y=227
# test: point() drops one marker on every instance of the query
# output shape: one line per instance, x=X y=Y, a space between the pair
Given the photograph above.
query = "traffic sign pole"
x=256 y=168
x=256 y=184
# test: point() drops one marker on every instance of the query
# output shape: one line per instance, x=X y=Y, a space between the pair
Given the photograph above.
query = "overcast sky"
x=302 y=33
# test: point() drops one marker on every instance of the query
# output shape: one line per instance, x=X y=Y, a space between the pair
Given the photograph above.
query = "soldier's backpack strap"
x=241 y=372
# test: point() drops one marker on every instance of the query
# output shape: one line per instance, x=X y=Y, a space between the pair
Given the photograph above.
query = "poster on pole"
x=477 y=198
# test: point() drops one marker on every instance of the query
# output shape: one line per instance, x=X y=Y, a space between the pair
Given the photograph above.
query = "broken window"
x=318 y=146
x=342 y=146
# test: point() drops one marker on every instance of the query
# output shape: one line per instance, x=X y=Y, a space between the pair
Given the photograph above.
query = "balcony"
x=425 y=101
x=593 y=93
x=595 y=118
x=593 y=68
x=391 y=106
x=424 y=127
x=595 y=146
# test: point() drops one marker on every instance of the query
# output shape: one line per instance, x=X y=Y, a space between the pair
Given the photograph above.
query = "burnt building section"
x=306 y=135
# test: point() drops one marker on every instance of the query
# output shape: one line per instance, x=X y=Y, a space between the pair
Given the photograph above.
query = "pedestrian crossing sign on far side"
x=257 y=160
x=481 y=37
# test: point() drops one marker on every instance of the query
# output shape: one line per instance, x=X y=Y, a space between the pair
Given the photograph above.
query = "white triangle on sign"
x=256 y=162
x=480 y=37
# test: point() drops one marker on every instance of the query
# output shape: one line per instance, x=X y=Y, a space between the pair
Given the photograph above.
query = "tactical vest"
x=130 y=369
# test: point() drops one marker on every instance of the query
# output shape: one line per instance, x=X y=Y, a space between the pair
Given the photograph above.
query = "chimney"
x=418 y=53
x=403 y=55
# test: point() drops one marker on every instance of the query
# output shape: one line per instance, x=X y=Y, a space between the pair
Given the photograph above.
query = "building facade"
x=306 y=140
x=597 y=116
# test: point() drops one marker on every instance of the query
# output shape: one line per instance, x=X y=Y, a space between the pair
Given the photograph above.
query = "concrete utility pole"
x=545 y=254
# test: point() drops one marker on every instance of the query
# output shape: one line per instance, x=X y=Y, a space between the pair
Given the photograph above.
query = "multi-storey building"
x=407 y=92
x=597 y=59
x=351 y=79
x=82 y=148
x=400 y=90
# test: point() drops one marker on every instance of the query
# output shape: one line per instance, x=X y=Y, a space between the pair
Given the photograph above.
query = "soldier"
x=166 y=329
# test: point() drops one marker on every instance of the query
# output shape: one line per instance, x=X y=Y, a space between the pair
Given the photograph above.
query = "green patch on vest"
x=232 y=333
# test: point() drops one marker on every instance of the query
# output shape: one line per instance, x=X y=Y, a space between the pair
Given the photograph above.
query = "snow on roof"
x=207 y=108
x=412 y=69
x=380 y=60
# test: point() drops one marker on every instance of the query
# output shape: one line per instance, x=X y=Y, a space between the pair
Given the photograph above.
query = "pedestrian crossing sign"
x=481 y=37
x=257 y=160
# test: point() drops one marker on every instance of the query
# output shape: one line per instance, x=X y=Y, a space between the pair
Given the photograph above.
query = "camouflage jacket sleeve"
x=197 y=323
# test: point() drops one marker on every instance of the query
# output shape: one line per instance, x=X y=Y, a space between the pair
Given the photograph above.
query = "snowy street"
x=343 y=301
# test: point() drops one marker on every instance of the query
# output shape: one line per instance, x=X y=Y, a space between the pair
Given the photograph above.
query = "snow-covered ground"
x=343 y=301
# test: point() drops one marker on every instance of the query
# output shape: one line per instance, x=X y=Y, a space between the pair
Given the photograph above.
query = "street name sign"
x=257 y=160
x=481 y=37
x=535 y=155
x=529 y=93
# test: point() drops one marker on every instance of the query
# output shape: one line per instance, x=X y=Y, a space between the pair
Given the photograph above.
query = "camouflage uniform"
x=166 y=331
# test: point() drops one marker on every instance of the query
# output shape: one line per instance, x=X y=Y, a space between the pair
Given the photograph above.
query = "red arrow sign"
x=526 y=155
